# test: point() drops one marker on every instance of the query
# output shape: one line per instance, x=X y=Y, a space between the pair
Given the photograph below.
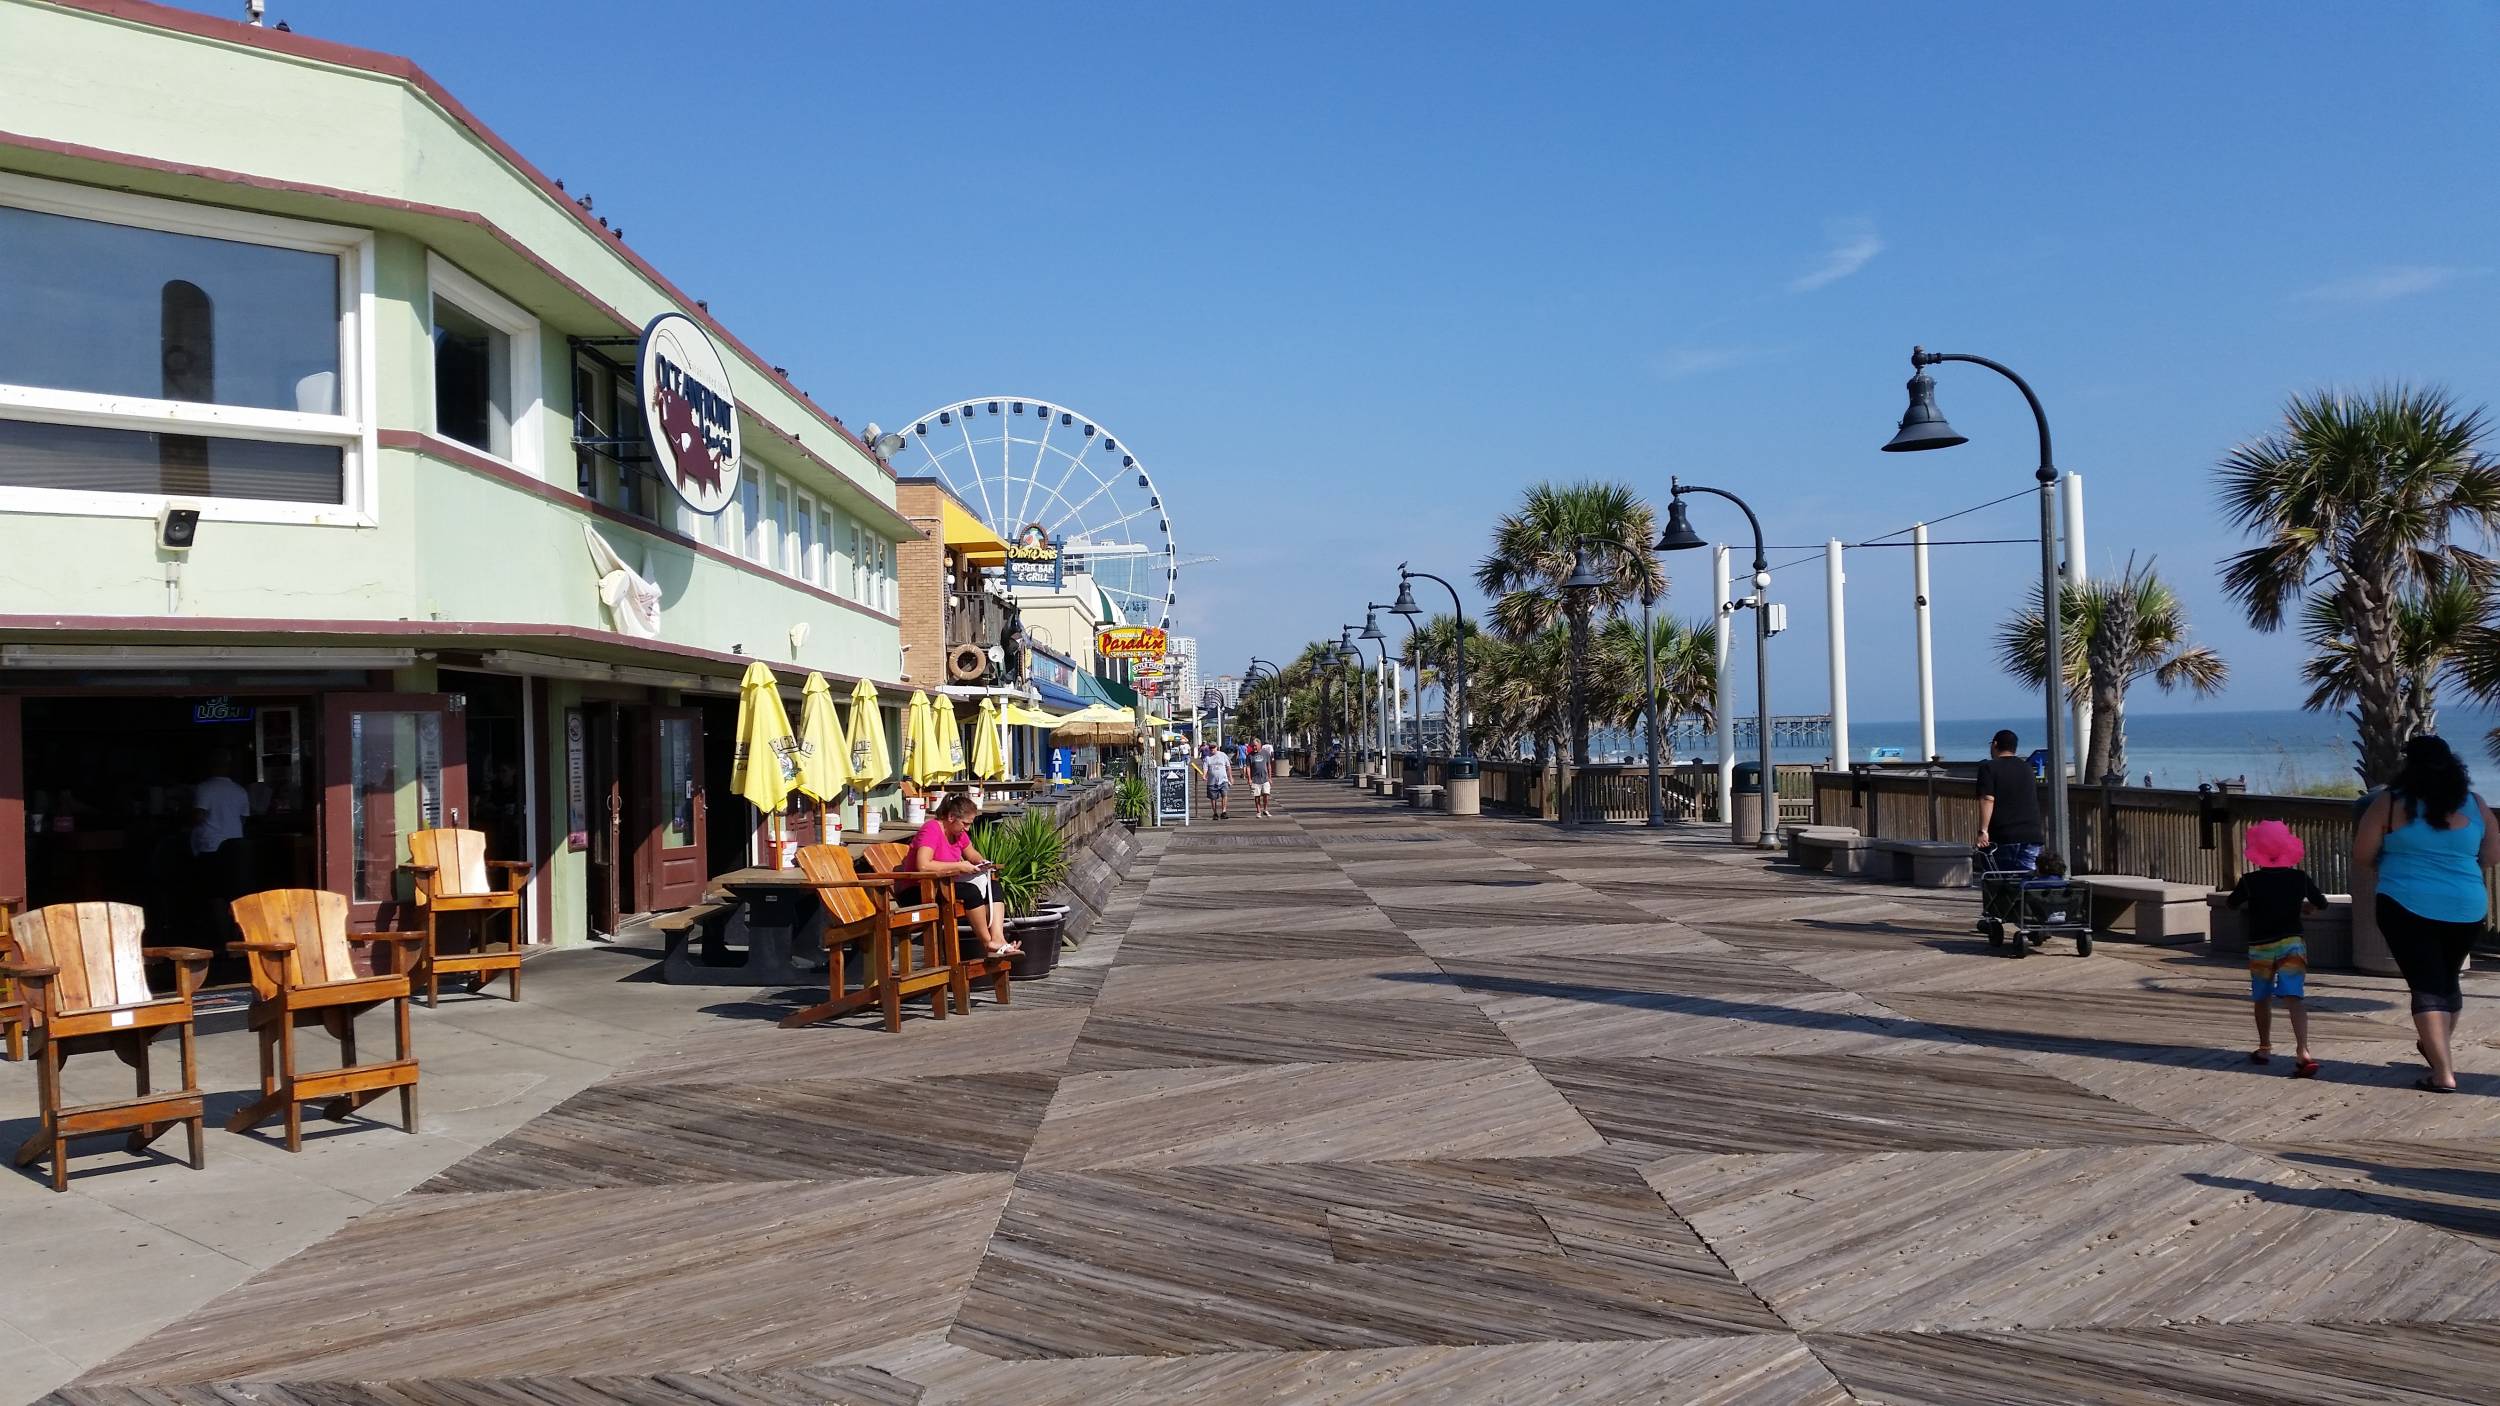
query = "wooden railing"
x=1617 y=793
x=2186 y=836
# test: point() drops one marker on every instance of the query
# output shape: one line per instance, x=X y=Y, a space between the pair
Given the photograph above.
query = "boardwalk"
x=1360 y=1107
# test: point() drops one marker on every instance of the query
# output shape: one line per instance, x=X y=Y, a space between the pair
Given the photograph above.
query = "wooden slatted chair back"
x=831 y=864
x=95 y=946
x=458 y=859
x=314 y=920
x=889 y=857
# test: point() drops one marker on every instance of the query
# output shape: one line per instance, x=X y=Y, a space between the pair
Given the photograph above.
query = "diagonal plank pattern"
x=1360 y=1106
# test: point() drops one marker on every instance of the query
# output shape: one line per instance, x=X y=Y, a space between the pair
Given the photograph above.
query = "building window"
x=858 y=587
x=485 y=367
x=158 y=350
x=803 y=562
x=750 y=513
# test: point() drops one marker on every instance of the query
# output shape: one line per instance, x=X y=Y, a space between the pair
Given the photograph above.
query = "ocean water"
x=2276 y=751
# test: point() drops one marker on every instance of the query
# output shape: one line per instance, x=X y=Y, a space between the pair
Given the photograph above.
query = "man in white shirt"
x=1219 y=769
x=218 y=808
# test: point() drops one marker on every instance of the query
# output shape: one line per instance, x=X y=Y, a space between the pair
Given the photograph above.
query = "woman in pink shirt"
x=944 y=846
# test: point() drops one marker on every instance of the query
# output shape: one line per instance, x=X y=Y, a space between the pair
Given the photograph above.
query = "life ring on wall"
x=967 y=663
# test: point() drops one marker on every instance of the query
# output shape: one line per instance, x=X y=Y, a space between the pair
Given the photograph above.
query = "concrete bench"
x=1423 y=797
x=1927 y=864
x=2328 y=935
x=2157 y=910
x=1393 y=788
x=1849 y=854
x=1794 y=836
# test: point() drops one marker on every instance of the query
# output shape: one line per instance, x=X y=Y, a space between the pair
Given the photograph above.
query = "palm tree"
x=2437 y=631
x=2355 y=499
x=2115 y=634
x=1688 y=670
x=1436 y=643
x=1536 y=546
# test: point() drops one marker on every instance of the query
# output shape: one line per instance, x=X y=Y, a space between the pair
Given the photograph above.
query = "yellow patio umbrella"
x=946 y=741
x=917 y=761
x=989 y=753
x=824 y=753
x=870 y=767
x=1026 y=715
x=764 y=768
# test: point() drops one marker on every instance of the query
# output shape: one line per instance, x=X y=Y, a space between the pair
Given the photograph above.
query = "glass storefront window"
x=395 y=768
x=680 y=756
x=114 y=309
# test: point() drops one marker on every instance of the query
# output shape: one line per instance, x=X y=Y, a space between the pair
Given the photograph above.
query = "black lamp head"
x=1405 y=603
x=1584 y=573
x=1371 y=626
x=1679 y=536
x=1923 y=425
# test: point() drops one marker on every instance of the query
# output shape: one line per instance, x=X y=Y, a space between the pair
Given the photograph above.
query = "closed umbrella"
x=765 y=766
x=917 y=767
x=824 y=753
x=870 y=766
x=989 y=752
x=946 y=741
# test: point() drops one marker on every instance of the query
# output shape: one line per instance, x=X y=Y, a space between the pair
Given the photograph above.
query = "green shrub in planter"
x=1031 y=857
x=1130 y=798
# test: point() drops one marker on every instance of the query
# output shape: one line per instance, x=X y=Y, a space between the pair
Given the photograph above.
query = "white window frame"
x=446 y=280
x=803 y=546
x=354 y=430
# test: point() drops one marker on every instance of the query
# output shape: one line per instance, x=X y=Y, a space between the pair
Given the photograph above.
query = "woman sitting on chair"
x=944 y=846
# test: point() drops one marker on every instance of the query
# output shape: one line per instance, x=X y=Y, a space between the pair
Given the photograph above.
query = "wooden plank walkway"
x=1359 y=1106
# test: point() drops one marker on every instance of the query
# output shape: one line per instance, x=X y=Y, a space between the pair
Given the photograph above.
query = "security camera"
x=177 y=527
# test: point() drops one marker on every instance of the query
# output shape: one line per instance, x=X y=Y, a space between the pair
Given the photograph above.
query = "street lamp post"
x=1380 y=699
x=1348 y=652
x=1584 y=578
x=1923 y=427
x=1679 y=537
x=1276 y=697
x=1454 y=699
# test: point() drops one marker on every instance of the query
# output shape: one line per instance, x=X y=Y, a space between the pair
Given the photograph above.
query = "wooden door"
x=392 y=764
x=604 y=798
x=674 y=844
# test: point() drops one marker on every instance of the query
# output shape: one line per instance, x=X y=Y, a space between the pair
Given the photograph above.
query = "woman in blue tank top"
x=2428 y=838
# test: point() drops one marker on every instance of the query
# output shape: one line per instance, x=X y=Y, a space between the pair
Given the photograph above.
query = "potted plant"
x=1032 y=858
x=1129 y=797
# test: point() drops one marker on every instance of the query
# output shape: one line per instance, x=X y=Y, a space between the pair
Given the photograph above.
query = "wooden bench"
x=1927 y=864
x=1424 y=797
x=2328 y=935
x=2157 y=910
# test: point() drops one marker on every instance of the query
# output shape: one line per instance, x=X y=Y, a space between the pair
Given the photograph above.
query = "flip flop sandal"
x=2260 y=1057
x=2425 y=1085
x=2305 y=1069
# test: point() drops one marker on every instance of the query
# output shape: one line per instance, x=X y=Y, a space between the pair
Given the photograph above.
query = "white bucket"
x=915 y=810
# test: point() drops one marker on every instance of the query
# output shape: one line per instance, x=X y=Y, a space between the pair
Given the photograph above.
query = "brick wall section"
x=921 y=569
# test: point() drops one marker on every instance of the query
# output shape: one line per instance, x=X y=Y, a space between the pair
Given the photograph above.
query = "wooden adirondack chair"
x=304 y=974
x=971 y=964
x=861 y=909
x=83 y=971
x=12 y=1000
x=452 y=870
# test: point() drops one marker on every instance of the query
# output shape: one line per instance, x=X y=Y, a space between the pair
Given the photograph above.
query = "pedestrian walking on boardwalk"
x=2428 y=838
x=2274 y=893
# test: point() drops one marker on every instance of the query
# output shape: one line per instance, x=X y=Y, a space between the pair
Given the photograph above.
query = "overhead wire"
x=1816 y=553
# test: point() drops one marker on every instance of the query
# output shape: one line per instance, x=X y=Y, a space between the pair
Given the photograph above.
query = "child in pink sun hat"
x=2275 y=892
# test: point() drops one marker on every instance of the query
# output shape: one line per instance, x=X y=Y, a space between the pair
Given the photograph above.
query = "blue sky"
x=1349 y=277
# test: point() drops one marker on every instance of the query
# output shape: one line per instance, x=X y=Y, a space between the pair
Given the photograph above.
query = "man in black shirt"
x=2009 y=806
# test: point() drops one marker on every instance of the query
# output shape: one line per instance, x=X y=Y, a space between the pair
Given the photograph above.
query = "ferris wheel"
x=1019 y=463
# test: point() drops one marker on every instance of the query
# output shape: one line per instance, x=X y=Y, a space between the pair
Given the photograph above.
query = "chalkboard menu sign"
x=1172 y=794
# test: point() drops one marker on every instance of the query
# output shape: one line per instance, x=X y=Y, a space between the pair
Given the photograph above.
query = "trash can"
x=1745 y=815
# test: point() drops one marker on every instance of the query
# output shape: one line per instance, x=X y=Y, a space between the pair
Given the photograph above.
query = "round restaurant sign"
x=691 y=411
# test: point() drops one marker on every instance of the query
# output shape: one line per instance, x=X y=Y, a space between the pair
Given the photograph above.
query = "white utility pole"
x=2077 y=573
x=1926 y=646
x=1836 y=629
x=1725 y=615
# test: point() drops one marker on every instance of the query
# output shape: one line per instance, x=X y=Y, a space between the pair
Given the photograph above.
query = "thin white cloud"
x=2385 y=285
x=1854 y=245
x=1676 y=363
